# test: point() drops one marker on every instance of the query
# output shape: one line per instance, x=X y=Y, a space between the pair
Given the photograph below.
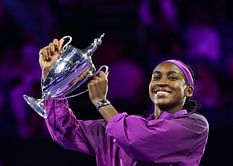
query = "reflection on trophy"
x=72 y=69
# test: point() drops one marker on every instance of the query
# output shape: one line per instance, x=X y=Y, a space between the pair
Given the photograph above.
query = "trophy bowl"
x=73 y=68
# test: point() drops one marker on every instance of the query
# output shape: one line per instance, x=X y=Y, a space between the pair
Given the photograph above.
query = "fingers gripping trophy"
x=64 y=69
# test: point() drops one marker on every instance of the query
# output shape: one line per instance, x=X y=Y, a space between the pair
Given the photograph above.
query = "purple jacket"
x=177 y=139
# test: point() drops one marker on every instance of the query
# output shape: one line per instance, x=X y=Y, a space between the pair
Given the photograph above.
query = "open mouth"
x=162 y=92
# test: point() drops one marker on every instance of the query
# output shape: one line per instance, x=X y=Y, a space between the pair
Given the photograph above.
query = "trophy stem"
x=37 y=105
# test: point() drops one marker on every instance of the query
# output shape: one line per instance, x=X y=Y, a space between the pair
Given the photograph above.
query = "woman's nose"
x=162 y=82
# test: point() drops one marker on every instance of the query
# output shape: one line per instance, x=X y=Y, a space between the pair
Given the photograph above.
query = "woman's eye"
x=155 y=77
x=173 y=78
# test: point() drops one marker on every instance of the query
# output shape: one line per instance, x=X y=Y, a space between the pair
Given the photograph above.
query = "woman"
x=173 y=135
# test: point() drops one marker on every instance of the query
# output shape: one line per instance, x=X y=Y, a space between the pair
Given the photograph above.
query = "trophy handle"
x=103 y=67
x=97 y=72
x=66 y=45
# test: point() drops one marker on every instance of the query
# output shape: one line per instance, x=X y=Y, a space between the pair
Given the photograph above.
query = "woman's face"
x=168 y=87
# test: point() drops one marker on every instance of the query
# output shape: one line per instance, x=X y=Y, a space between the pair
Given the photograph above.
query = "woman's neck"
x=158 y=110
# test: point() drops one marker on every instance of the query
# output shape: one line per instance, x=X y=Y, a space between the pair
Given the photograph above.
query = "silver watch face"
x=102 y=103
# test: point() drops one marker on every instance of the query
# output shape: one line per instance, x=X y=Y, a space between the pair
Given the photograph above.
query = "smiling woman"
x=173 y=136
x=171 y=84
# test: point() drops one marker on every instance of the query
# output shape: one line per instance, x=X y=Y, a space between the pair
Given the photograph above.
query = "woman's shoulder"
x=197 y=118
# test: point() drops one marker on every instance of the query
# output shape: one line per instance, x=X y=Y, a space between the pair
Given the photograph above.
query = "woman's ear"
x=189 y=91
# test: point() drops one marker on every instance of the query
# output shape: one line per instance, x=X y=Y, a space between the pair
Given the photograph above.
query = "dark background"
x=139 y=34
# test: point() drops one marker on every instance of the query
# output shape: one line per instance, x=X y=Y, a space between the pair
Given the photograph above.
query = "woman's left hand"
x=98 y=87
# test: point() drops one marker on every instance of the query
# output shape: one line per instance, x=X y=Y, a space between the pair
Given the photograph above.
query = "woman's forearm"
x=108 y=112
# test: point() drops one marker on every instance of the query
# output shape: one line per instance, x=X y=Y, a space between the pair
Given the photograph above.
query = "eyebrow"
x=170 y=72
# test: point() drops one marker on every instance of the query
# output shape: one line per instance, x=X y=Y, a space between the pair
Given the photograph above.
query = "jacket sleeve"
x=158 y=140
x=71 y=133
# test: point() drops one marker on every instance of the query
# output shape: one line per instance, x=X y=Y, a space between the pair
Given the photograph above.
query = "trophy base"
x=36 y=105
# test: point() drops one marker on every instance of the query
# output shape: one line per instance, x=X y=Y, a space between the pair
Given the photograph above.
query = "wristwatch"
x=102 y=103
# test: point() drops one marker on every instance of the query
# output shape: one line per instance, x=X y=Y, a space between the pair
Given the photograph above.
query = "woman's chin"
x=162 y=102
x=164 y=105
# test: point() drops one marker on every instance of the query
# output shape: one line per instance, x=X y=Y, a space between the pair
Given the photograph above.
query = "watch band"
x=102 y=103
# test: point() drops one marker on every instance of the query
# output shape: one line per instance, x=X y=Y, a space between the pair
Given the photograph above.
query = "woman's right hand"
x=49 y=54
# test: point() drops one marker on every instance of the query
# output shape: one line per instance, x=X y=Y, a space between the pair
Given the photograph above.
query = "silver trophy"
x=71 y=70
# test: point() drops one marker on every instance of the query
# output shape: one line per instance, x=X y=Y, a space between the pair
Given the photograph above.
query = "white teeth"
x=162 y=93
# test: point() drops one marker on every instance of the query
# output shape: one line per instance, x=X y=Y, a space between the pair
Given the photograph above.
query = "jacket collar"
x=167 y=115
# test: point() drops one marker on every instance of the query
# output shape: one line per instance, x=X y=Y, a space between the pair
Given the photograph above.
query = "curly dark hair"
x=191 y=104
